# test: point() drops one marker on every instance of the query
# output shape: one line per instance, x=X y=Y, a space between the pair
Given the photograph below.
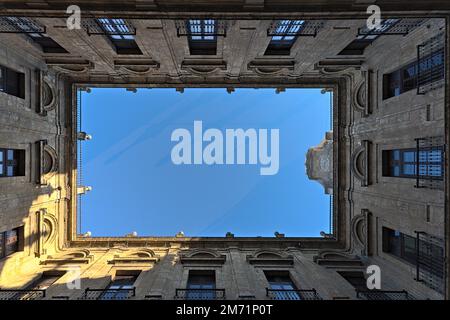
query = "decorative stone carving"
x=319 y=163
x=337 y=260
x=136 y=67
x=203 y=66
x=203 y=257
x=360 y=228
x=361 y=94
x=360 y=165
x=46 y=232
x=72 y=66
x=82 y=256
x=139 y=256
x=269 y=67
x=270 y=258
x=47 y=162
x=335 y=67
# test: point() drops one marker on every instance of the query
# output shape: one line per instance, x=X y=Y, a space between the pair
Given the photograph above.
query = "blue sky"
x=136 y=187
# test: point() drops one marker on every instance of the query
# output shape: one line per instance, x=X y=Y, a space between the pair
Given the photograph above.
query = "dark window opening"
x=12 y=162
x=284 y=38
x=405 y=78
x=46 y=280
x=120 y=35
x=403 y=163
x=355 y=278
x=281 y=285
x=404 y=247
x=356 y=47
x=12 y=82
x=120 y=286
x=400 y=245
x=201 y=285
x=47 y=44
x=11 y=241
x=365 y=39
x=202 y=37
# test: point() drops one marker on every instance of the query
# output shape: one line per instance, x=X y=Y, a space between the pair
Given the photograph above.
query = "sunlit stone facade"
x=374 y=211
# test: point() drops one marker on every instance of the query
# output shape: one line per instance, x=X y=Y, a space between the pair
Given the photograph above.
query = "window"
x=367 y=37
x=201 y=285
x=12 y=162
x=120 y=35
x=400 y=81
x=120 y=287
x=400 y=245
x=28 y=27
x=285 y=35
x=355 y=278
x=12 y=82
x=46 y=280
x=403 y=163
x=281 y=286
x=10 y=242
x=405 y=79
x=202 y=36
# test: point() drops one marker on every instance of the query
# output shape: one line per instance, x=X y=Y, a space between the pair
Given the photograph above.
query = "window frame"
x=202 y=46
x=17 y=163
x=47 y=44
x=8 y=85
x=194 y=284
x=282 y=43
x=389 y=163
x=123 y=41
x=18 y=245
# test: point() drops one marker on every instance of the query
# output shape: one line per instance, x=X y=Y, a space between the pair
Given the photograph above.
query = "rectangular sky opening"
x=160 y=162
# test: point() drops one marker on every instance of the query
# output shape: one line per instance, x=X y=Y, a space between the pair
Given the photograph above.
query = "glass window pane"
x=409 y=156
x=9 y=171
x=409 y=169
x=11 y=242
x=2 y=243
x=10 y=155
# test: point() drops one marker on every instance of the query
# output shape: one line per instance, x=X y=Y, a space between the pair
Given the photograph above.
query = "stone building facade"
x=384 y=214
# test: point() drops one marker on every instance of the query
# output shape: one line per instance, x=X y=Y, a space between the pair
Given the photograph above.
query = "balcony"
x=430 y=265
x=22 y=294
x=108 y=294
x=383 y=295
x=277 y=294
x=200 y=294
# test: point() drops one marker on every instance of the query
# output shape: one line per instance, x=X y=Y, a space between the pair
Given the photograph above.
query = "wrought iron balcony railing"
x=430 y=261
x=276 y=294
x=21 y=294
x=108 y=294
x=200 y=294
x=383 y=295
x=431 y=64
x=430 y=156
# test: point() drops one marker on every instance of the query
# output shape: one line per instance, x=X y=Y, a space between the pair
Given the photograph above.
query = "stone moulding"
x=47 y=162
x=362 y=94
x=47 y=99
x=203 y=257
x=72 y=258
x=136 y=67
x=70 y=66
x=140 y=256
x=270 y=67
x=360 y=232
x=265 y=258
x=337 y=260
x=203 y=66
x=361 y=163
